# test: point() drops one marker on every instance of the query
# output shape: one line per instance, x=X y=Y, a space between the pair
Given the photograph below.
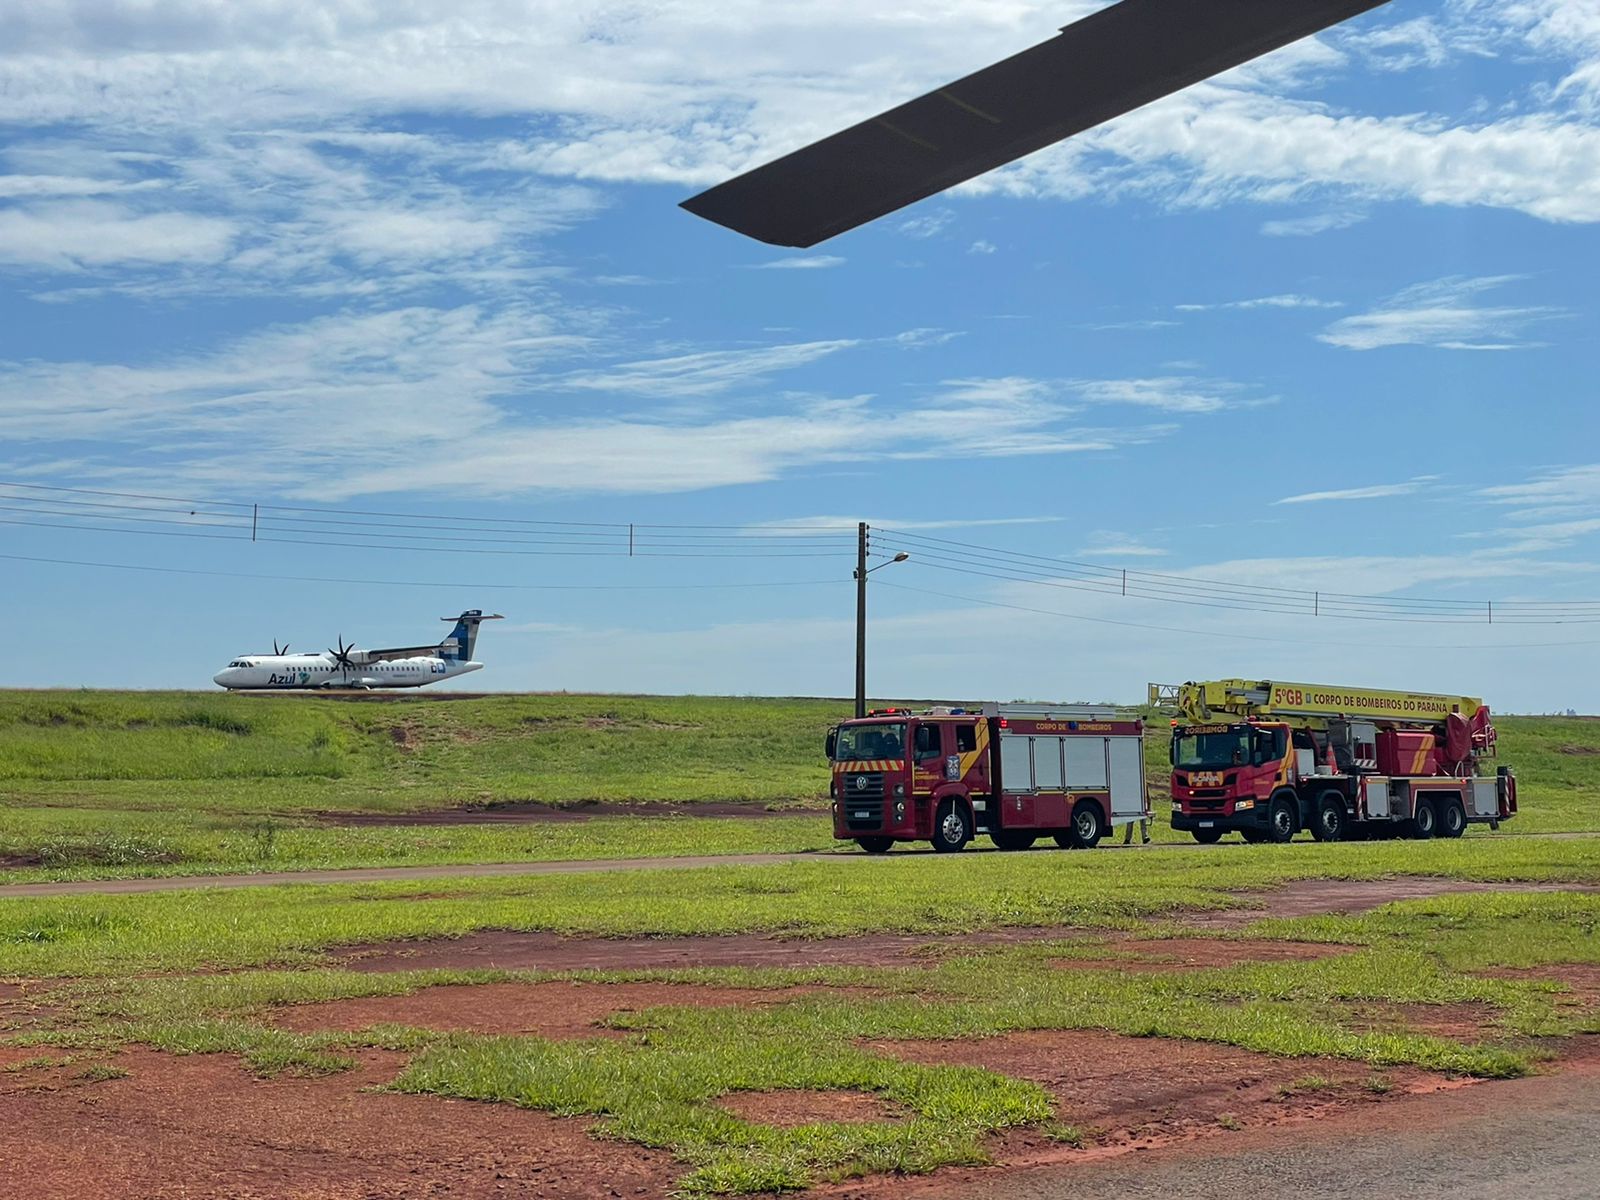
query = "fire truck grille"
x=862 y=797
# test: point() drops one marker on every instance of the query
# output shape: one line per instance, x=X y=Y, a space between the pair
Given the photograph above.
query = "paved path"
x=1527 y=1139
x=175 y=883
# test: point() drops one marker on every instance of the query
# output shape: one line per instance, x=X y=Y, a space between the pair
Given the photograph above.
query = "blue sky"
x=1324 y=324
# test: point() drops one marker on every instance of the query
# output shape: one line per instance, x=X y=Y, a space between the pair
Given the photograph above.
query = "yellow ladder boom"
x=1243 y=699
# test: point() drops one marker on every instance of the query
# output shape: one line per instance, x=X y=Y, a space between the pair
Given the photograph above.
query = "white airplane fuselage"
x=302 y=671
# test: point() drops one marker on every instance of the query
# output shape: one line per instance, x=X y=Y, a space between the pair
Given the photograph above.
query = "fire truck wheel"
x=1425 y=821
x=1452 y=819
x=875 y=845
x=1254 y=836
x=1332 y=820
x=1013 y=839
x=1087 y=825
x=1285 y=819
x=1208 y=837
x=952 y=830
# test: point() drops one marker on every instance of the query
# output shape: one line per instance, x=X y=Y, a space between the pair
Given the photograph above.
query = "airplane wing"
x=392 y=652
x=1107 y=64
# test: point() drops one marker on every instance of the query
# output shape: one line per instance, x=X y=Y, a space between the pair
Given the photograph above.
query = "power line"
x=1247 y=637
x=1021 y=567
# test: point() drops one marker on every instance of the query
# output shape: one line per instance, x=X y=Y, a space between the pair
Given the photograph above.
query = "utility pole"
x=862 y=571
x=861 y=619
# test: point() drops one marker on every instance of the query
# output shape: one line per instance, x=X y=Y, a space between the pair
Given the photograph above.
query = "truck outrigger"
x=1269 y=759
x=1017 y=772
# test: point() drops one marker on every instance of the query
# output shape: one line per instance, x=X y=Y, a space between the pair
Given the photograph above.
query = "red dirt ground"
x=1320 y=897
x=510 y=950
x=1466 y=1022
x=201 y=1128
x=1187 y=954
x=547 y=1010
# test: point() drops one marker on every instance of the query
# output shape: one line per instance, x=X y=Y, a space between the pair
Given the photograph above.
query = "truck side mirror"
x=832 y=743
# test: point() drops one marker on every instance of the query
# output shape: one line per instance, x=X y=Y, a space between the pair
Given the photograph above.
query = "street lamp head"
x=901 y=557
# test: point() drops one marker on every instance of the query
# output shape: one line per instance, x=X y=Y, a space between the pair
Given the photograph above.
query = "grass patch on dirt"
x=1468 y=933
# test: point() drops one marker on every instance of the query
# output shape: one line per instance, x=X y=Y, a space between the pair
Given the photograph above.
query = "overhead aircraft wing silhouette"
x=1105 y=65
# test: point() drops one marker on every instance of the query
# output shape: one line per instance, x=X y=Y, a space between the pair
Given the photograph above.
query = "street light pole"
x=862 y=571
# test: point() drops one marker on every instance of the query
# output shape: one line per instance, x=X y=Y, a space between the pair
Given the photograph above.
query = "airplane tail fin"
x=463 y=639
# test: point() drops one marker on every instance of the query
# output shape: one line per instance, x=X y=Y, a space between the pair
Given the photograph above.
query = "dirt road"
x=177 y=883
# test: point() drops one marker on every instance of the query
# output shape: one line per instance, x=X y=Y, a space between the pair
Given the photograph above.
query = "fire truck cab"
x=1015 y=772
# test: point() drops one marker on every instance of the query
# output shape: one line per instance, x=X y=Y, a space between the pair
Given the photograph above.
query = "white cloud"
x=807 y=262
x=705 y=373
x=1172 y=393
x=1373 y=492
x=1310 y=226
x=1558 y=491
x=927 y=224
x=1287 y=300
x=79 y=234
x=1443 y=314
x=1107 y=543
x=981 y=246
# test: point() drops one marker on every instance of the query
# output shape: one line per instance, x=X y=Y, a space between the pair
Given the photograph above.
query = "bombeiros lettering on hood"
x=348 y=666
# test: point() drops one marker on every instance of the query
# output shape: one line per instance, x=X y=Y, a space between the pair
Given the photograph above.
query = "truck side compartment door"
x=1125 y=767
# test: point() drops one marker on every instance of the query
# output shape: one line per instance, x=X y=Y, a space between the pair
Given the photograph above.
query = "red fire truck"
x=1269 y=759
x=1017 y=772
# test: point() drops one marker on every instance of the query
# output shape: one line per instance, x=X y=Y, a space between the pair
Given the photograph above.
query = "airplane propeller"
x=280 y=651
x=342 y=655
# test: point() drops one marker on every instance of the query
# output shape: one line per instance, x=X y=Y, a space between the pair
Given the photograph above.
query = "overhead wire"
x=1291 y=641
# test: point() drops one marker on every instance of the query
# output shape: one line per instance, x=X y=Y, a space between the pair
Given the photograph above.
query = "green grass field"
x=97 y=784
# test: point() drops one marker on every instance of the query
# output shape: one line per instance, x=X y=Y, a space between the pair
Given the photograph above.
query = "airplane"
x=347 y=667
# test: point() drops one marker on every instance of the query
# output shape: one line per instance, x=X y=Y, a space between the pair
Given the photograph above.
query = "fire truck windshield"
x=1211 y=748
x=859 y=743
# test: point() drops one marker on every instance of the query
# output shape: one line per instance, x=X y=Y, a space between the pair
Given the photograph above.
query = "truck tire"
x=1088 y=826
x=952 y=828
x=1425 y=822
x=1332 y=822
x=1013 y=839
x=875 y=845
x=1284 y=819
x=1254 y=836
x=1452 y=818
x=1064 y=840
x=1208 y=837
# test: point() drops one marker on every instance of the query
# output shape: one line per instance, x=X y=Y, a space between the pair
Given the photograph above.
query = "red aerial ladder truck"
x=1270 y=759
x=1016 y=772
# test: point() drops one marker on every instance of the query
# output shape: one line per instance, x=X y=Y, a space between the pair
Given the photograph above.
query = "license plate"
x=1208 y=824
x=862 y=816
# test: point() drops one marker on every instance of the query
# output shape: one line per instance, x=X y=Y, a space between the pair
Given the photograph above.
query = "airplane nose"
x=220 y=679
